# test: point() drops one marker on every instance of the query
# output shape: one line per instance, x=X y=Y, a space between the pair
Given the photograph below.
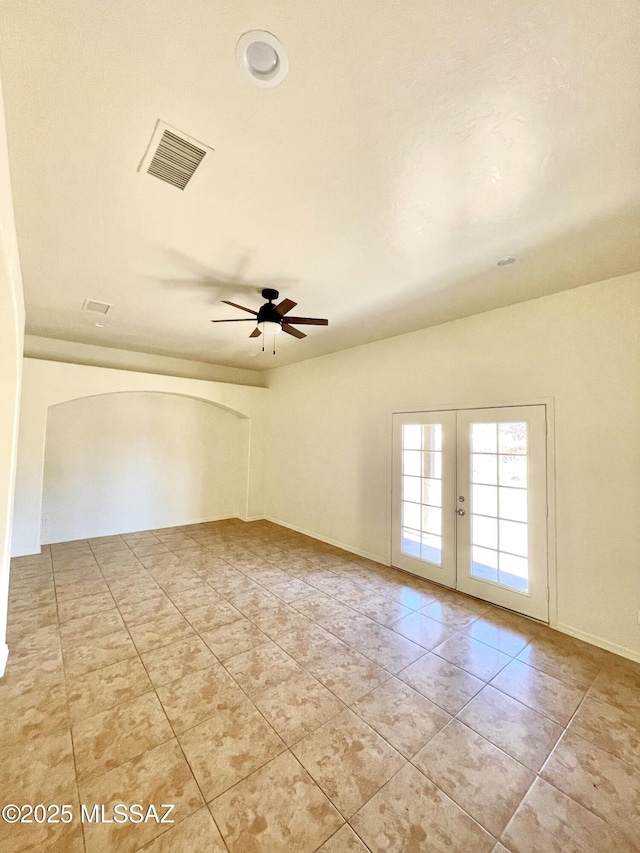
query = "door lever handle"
x=460 y=512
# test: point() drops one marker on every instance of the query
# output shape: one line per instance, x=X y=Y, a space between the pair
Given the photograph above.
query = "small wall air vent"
x=96 y=307
x=172 y=156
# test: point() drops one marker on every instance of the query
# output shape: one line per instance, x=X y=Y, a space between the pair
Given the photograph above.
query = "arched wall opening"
x=138 y=460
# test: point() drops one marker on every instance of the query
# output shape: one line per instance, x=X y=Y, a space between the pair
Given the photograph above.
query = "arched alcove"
x=138 y=460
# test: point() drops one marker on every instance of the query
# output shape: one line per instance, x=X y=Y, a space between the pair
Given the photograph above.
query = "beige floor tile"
x=119 y=734
x=422 y=630
x=473 y=656
x=21 y=625
x=561 y=661
x=161 y=632
x=195 y=597
x=403 y=717
x=27 y=837
x=453 y=614
x=196 y=834
x=412 y=598
x=411 y=814
x=379 y=608
x=232 y=639
x=618 y=684
x=344 y=841
x=548 y=820
x=212 y=616
x=262 y=667
x=320 y=606
x=613 y=729
x=480 y=778
x=290 y=589
x=154 y=607
x=39 y=770
x=442 y=682
x=518 y=730
x=103 y=651
x=41 y=642
x=198 y=696
x=276 y=621
x=178 y=581
x=348 y=760
x=597 y=780
x=40 y=671
x=259 y=815
x=311 y=644
x=33 y=713
x=177 y=660
x=547 y=695
x=348 y=674
x=80 y=631
x=159 y=776
x=86 y=606
x=297 y=706
x=69 y=588
x=104 y=688
x=488 y=630
x=299 y=661
x=227 y=747
x=386 y=648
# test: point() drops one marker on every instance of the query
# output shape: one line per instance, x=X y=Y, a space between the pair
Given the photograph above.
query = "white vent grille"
x=96 y=307
x=172 y=156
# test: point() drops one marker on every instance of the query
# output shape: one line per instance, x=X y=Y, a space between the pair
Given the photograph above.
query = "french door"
x=470 y=503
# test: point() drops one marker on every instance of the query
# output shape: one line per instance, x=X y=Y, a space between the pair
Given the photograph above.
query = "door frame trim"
x=549 y=403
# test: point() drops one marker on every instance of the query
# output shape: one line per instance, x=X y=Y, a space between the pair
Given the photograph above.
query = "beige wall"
x=328 y=462
x=119 y=463
x=47 y=384
x=11 y=338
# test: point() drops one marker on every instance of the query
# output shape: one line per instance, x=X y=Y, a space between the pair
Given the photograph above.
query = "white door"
x=470 y=503
x=424 y=497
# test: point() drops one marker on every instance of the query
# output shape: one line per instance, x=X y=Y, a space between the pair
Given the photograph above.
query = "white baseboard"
x=375 y=557
x=623 y=651
x=73 y=537
x=4 y=654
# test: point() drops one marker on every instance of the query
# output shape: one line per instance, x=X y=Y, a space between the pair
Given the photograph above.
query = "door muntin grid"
x=421 y=498
x=499 y=504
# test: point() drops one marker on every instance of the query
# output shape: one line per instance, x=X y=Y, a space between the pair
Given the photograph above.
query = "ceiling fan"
x=271 y=318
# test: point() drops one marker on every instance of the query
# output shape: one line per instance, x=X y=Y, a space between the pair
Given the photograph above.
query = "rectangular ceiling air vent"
x=96 y=307
x=172 y=156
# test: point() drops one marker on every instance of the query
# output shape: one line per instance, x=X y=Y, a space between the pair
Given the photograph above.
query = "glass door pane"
x=423 y=522
x=501 y=526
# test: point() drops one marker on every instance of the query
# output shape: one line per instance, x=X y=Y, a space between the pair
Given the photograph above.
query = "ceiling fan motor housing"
x=269 y=314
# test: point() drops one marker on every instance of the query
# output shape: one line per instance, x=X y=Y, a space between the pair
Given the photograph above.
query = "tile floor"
x=286 y=697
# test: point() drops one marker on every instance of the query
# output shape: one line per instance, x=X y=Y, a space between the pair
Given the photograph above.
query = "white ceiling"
x=411 y=145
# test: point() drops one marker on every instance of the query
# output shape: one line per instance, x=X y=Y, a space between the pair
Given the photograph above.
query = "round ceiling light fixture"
x=262 y=57
x=506 y=261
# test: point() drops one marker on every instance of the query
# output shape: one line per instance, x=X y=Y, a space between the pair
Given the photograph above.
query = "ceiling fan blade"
x=291 y=331
x=256 y=333
x=284 y=306
x=236 y=320
x=241 y=307
x=308 y=321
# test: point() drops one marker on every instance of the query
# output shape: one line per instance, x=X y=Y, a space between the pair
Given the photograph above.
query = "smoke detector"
x=262 y=57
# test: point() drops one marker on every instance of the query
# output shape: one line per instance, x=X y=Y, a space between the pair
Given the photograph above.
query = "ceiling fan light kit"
x=271 y=319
